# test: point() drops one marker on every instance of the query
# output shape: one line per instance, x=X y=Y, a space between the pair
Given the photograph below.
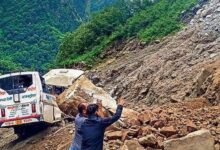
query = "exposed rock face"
x=199 y=140
x=166 y=70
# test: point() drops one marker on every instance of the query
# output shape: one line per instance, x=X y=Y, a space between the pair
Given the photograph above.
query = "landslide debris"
x=170 y=121
x=149 y=128
x=208 y=83
x=168 y=69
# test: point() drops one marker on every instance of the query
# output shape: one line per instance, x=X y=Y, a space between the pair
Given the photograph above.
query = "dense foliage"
x=31 y=31
x=147 y=21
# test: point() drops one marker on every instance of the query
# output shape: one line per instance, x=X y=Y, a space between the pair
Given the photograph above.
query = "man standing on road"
x=80 y=118
x=94 y=127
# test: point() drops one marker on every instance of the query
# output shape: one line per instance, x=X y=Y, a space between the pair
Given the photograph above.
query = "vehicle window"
x=47 y=89
x=6 y=83
x=22 y=81
x=16 y=84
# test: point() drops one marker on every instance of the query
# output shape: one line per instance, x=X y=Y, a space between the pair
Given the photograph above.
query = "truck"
x=25 y=99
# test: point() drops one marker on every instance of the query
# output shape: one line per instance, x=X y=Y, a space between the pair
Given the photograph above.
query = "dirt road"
x=51 y=138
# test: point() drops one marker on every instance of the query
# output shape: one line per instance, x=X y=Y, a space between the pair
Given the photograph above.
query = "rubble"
x=168 y=131
x=131 y=145
x=179 y=120
x=149 y=140
x=191 y=126
x=114 y=135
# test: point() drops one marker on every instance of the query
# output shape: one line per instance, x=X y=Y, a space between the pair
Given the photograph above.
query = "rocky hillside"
x=172 y=69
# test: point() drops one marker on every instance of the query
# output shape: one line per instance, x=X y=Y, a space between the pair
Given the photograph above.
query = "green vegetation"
x=31 y=31
x=147 y=21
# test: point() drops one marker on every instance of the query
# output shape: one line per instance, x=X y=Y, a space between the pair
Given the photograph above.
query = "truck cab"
x=26 y=99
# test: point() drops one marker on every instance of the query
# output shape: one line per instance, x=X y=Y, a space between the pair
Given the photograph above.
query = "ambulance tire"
x=21 y=131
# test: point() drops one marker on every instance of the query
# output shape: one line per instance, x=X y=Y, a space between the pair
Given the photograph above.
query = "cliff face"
x=171 y=69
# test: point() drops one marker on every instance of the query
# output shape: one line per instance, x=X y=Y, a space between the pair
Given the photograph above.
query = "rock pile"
x=165 y=126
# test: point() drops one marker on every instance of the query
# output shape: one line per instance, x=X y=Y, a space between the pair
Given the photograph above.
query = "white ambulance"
x=26 y=99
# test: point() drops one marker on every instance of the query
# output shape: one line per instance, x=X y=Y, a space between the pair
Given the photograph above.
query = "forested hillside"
x=31 y=31
x=145 y=19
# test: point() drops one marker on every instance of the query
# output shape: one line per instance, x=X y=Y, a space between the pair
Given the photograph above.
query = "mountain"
x=31 y=31
x=143 y=19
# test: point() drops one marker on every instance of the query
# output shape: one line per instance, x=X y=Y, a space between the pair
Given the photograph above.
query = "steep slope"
x=30 y=31
x=145 y=19
x=168 y=70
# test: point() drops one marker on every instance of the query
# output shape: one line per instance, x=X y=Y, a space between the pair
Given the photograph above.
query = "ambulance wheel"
x=20 y=131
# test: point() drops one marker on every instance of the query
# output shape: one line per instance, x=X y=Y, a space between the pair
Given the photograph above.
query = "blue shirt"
x=93 y=130
x=77 y=140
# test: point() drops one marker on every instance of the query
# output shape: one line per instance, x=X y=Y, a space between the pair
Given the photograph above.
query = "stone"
x=153 y=120
x=114 y=135
x=159 y=124
x=95 y=79
x=134 y=131
x=71 y=131
x=168 y=131
x=124 y=135
x=191 y=127
x=144 y=117
x=198 y=140
x=157 y=110
x=113 y=127
x=217 y=147
x=146 y=130
x=115 y=144
x=216 y=122
x=149 y=140
x=134 y=122
x=131 y=145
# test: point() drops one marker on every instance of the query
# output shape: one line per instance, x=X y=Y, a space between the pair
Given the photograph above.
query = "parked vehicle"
x=25 y=99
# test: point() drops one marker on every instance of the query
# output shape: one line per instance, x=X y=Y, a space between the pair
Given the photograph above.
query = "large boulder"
x=199 y=140
x=83 y=90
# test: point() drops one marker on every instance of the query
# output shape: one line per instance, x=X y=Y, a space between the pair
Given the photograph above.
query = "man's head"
x=92 y=109
x=82 y=108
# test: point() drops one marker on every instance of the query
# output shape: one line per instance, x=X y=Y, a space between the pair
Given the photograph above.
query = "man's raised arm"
x=110 y=120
